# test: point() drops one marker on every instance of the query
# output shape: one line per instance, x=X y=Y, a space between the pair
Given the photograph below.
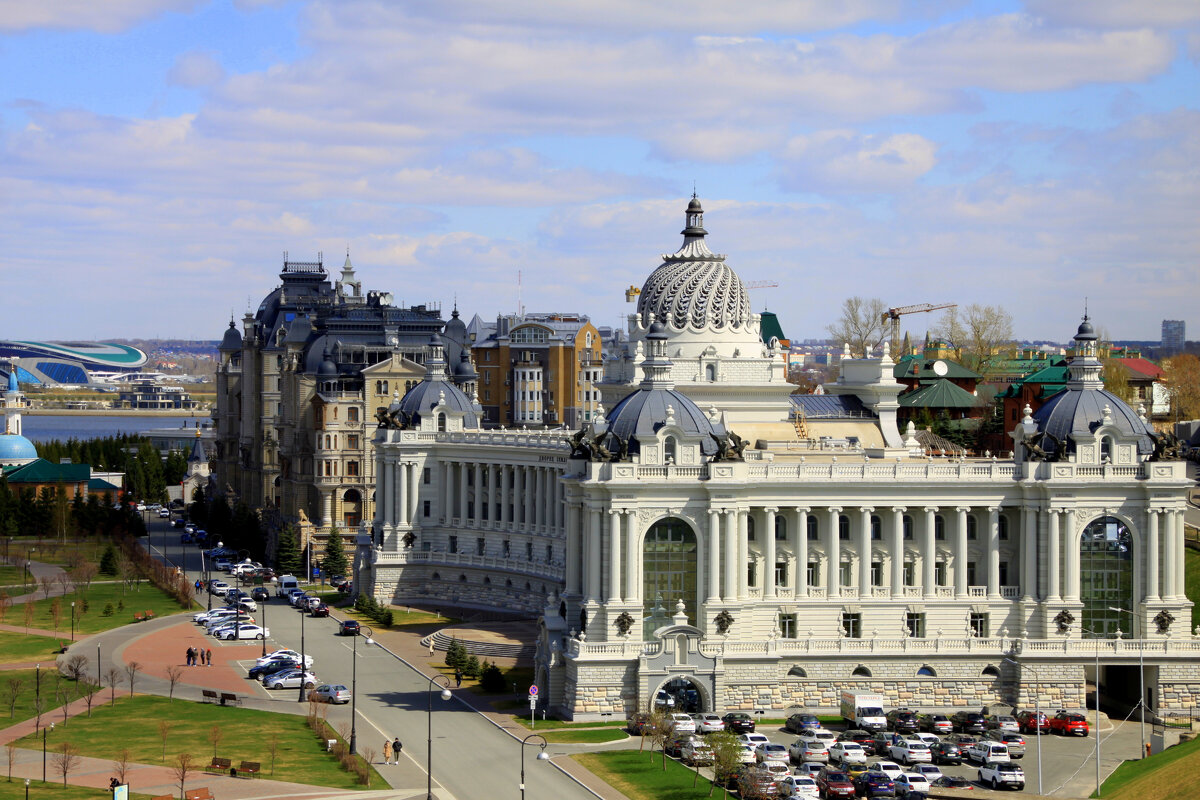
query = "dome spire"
x=694 y=217
x=1084 y=367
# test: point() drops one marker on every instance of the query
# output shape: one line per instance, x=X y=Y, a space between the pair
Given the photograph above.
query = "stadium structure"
x=67 y=362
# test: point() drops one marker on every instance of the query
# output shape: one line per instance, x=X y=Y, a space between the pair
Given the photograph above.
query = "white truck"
x=863 y=710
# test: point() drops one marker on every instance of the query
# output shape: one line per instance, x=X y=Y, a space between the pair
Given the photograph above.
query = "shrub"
x=385 y=619
x=108 y=610
x=456 y=654
x=492 y=679
x=471 y=667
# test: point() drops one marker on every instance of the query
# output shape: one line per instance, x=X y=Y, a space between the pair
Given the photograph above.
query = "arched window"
x=351 y=507
x=669 y=569
x=487 y=580
x=780 y=527
x=908 y=528
x=1105 y=575
x=876 y=528
x=1106 y=450
x=750 y=527
x=844 y=528
x=990 y=672
x=437 y=576
x=508 y=583
x=352 y=414
x=462 y=578
x=669 y=454
x=926 y=672
x=710 y=372
x=797 y=672
x=441 y=422
x=813 y=531
x=861 y=672
x=939 y=528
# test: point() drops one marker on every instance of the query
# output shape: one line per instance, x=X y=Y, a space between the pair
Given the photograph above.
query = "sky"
x=158 y=157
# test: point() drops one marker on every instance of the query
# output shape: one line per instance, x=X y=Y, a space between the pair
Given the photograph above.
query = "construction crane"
x=893 y=315
x=761 y=285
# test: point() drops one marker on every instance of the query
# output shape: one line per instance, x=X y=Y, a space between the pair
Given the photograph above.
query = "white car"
x=889 y=768
x=708 y=723
x=911 y=782
x=827 y=736
x=245 y=631
x=747 y=755
x=847 y=753
x=246 y=604
x=910 y=751
x=164 y=513
x=928 y=738
x=696 y=752
x=205 y=616
x=753 y=739
x=810 y=768
x=290 y=679
x=680 y=723
x=284 y=653
x=800 y=786
x=228 y=619
x=776 y=769
x=769 y=751
x=930 y=771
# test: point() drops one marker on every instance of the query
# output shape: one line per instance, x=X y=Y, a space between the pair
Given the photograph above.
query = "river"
x=48 y=427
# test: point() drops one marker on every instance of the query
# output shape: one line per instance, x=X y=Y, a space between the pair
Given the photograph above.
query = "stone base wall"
x=601 y=691
x=1178 y=690
x=398 y=585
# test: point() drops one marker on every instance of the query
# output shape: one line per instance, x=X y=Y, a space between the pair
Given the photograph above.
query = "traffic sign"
x=533 y=690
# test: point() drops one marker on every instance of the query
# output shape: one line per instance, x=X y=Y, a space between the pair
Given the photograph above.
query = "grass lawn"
x=25 y=682
x=1191 y=581
x=556 y=724
x=594 y=736
x=13 y=579
x=640 y=776
x=245 y=736
x=1173 y=774
x=54 y=790
x=136 y=599
x=17 y=648
x=49 y=551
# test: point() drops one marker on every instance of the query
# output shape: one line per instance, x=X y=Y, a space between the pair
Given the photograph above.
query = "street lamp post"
x=1096 y=637
x=1141 y=677
x=303 y=667
x=72 y=622
x=37 y=693
x=365 y=631
x=1037 y=713
x=541 y=756
x=204 y=572
x=429 y=732
x=264 y=638
x=28 y=555
x=44 y=750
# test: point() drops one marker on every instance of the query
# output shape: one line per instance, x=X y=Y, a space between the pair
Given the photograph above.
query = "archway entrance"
x=1105 y=576
x=681 y=695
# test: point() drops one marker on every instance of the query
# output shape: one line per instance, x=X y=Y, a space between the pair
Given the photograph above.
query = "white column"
x=1176 y=556
x=535 y=509
x=518 y=496
x=929 y=553
x=800 y=548
x=574 y=557
x=326 y=509
x=768 y=589
x=833 y=551
x=743 y=562
x=633 y=558
x=714 y=561
x=446 y=494
x=385 y=507
x=864 y=552
x=614 y=556
x=1152 y=533
x=462 y=493
x=593 y=574
x=897 y=549
x=398 y=479
x=1072 y=551
x=529 y=489
x=1054 y=585
x=730 y=591
x=960 y=553
x=478 y=504
x=993 y=553
x=1029 y=590
x=415 y=472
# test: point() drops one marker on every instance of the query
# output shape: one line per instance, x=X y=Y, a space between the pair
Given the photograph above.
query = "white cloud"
x=195 y=69
x=843 y=161
x=109 y=16
x=1117 y=13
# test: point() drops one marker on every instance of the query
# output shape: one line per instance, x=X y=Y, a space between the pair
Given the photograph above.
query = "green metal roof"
x=770 y=327
x=43 y=471
x=942 y=394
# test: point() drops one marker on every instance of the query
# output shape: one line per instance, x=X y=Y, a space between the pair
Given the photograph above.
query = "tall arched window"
x=669 y=447
x=710 y=372
x=813 y=531
x=441 y=422
x=780 y=527
x=1105 y=575
x=351 y=508
x=876 y=528
x=1106 y=450
x=669 y=567
x=844 y=528
x=908 y=528
x=939 y=528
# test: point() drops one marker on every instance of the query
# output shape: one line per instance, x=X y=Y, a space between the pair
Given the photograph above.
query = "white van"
x=287 y=583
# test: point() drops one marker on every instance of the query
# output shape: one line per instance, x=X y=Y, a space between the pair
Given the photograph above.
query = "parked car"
x=179 y=523
x=776 y=769
x=290 y=679
x=811 y=768
x=961 y=739
x=847 y=753
x=1002 y=722
x=708 y=723
x=320 y=610
x=1002 y=773
x=911 y=751
x=987 y=752
x=245 y=631
x=834 y=782
x=223 y=564
x=639 y=724
x=807 y=748
x=349 y=627
x=928 y=738
x=674 y=744
x=912 y=784
x=756 y=783
x=738 y=722
x=164 y=513
x=769 y=751
x=330 y=693
x=1032 y=722
x=218 y=588
x=935 y=723
x=931 y=772
x=1014 y=741
x=801 y=723
x=889 y=768
x=1069 y=722
x=284 y=652
x=969 y=722
x=946 y=753
x=752 y=739
x=697 y=753
x=901 y=720
x=864 y=738
x=260 y=594
x=874 y=784
x=263 y=671
x=747 y=754
x=683 y=723
x=952 y=782
x=804 y=787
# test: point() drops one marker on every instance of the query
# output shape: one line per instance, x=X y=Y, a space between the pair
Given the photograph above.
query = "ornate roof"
x=434 y=390
x=16 y=449
x=694 y=288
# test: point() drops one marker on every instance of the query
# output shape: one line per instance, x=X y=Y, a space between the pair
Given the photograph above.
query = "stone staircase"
x=441 y=641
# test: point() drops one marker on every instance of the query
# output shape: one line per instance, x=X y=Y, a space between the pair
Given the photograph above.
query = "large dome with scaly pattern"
x=695 y=289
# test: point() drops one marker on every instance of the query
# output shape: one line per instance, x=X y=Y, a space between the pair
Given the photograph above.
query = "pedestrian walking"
x=387 y=751
x=202 y=658
x=431 y=647
x=191 y=656
x=210 y=656
x=457 y=677
x=396 y=748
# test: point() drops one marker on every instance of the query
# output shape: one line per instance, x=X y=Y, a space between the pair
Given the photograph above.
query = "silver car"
x=330 y=693
x=708 y=723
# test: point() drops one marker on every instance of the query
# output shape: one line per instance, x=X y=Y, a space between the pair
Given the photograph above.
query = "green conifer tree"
x=108 y=560
x=335 y=562
x=287 y=552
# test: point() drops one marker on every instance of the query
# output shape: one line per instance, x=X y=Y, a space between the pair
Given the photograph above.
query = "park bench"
x=219 y=766
x=228 y=699
x=163 y=797
x=249 y=768
x=197 y=794
x=210 y=696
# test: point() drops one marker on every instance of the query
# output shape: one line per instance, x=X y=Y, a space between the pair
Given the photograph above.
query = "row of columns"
x=525 y=496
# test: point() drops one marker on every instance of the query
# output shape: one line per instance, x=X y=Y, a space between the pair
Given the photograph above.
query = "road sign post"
x=533 y=697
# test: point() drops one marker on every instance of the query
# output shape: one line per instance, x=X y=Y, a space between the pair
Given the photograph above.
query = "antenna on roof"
x=694 y=195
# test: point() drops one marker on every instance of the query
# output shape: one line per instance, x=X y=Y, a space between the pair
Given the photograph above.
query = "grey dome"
x=643 y=412
x=327 y=369
x=1080 y=411
x=232 y=340
x=464 y=371
x=435 y=390
x=1086 y=332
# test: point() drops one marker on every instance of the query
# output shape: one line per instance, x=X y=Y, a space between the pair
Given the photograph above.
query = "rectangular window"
x=480 y=546
x=844 y=573
x=876 y=573
x=910 y=573
x=939 y=528
x=1004 y=573
x=813 y=574
x=852 y=625
x=352 y=469
x=781 y=573
x=426 y=476
x=507 y=548
x=750 y=575
x=487 y=394
x=549 y=553
x=453 y=544
x=352 y=441
x=979 y=625
x=916 y=625
x=972 y=527
x=425 y=508
x=939 y=573
x=844 y=528
x=787 y=626
x=970 y=573
x=529 y=551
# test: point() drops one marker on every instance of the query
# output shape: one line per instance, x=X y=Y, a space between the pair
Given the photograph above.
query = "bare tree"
x=13 y=694
x=75 y=667
x=660 y=729
x=727 y=759
x=39 y=705
x=164 y=732
x=11 y=749
x=62 y=693
x=47 y=583
x=174 y=676
x=131 y=672
x=214 y=735
x=860 y=325
x=29 y=610
x=112 y=676
x=89 y=691
x=273 y=749
x=5 y=604
x=83 y=575
x=121 y=764
x=56 y=612
x=182 y=767
x=65 y=760
x=982 y=335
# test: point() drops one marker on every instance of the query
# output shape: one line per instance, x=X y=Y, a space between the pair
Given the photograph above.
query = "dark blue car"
x=874 y=784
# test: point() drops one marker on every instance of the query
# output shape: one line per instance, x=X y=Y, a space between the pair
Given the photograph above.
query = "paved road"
x=471 y=756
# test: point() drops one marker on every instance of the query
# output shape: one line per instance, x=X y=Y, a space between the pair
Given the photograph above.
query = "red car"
x=1069 y=723
x=1028 y=723
x=834 y=782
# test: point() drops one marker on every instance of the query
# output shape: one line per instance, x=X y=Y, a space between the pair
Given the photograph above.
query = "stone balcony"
x=552 y=570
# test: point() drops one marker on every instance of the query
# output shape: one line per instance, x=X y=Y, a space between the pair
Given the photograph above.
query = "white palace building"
x=741 y=549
